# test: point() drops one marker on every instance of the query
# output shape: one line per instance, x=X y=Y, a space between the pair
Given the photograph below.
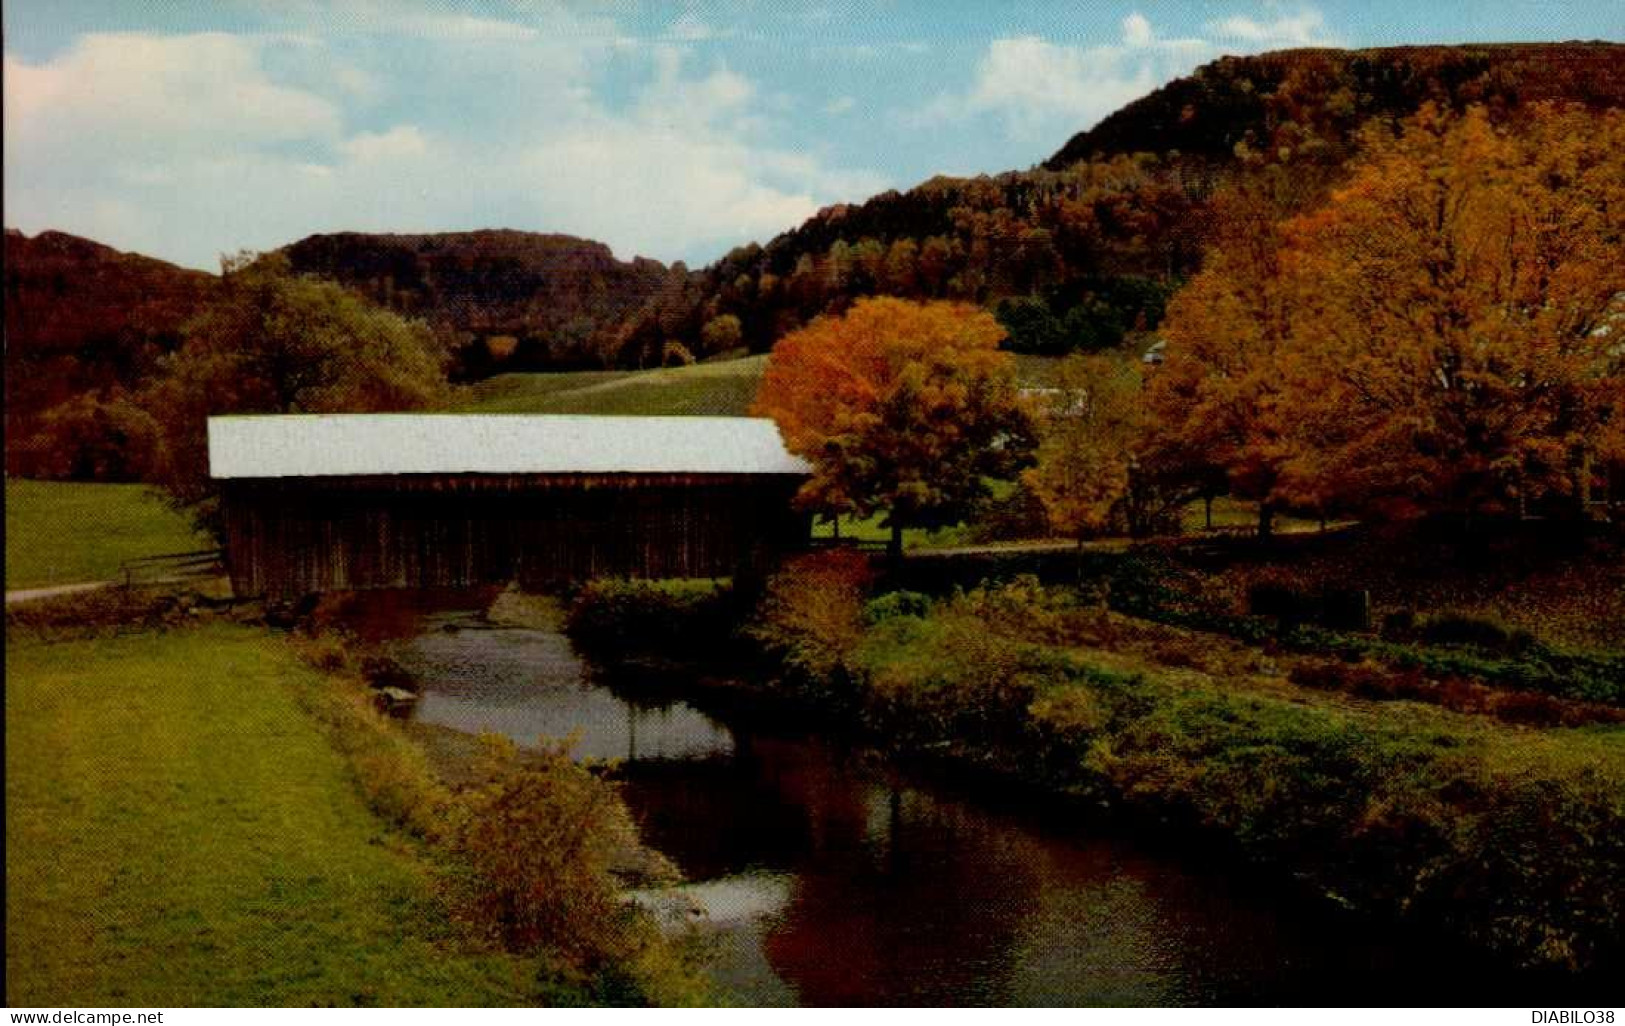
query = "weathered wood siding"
x=292 y=536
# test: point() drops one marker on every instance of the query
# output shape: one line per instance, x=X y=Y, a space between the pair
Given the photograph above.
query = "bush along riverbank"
x=1509 y=836
x=536 y=851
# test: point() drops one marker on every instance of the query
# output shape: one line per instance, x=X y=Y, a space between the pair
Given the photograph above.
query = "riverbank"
x=179 y=832
x=1508 y=836
x=202 y=812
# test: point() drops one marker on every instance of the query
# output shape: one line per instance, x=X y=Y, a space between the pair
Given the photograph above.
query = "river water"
x=827 y=878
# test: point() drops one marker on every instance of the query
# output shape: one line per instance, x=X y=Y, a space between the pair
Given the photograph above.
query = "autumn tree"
x=1087 y=435
x=276 y=342
x=901 y=407
x=1216 y=397
x=1456 y=315
x=1441 y=335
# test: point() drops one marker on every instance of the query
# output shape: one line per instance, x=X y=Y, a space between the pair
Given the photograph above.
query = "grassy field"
x=180 y=832
x=60 y=532
x=723 y=389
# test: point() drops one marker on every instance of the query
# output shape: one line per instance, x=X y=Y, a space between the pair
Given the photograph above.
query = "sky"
x=185 y=130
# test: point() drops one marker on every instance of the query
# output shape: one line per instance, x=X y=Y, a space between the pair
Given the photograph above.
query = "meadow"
x=721 y=389
x=62 y=532
x=180 y=831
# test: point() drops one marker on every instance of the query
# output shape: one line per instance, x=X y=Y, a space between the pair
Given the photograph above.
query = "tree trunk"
x=1207 y=512
x=894 y=547
x=1266 y=521
x=1584 y=490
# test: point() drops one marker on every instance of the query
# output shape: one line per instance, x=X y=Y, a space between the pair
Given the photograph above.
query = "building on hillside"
x=358 y=501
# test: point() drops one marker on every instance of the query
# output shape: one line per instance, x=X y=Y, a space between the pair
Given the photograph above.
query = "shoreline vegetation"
x=1384 y=780
x=1455 y=771
x=295 y=845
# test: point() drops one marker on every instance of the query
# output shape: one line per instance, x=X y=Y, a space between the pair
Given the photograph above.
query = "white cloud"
x=1137 y=30
x=869 y=51
x=136 y=94
x=1044 y=90
x=690 y=27
x=399 y=143
x=188 y=146
x=840 y=105
x=1303 y=26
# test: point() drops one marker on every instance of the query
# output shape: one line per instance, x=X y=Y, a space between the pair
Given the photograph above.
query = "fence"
x=174 y=566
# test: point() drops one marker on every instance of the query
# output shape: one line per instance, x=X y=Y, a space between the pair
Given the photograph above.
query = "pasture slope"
x=181 y=832
x=66 y=532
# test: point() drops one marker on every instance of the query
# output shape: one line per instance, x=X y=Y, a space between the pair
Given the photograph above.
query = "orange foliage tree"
x=1457 y=314
x=901 y=407
x=1216 y=398
x=1443 y=335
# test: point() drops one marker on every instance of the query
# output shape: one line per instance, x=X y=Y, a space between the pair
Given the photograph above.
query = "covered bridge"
x=355 y=501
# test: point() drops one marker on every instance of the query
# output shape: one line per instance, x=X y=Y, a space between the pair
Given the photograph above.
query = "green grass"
x=724 y=389
x=181 y=832
x=1230 y=513
x=869 y=529
x=60 y=532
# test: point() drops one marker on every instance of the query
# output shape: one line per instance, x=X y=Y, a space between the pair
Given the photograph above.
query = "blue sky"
x=188 y=129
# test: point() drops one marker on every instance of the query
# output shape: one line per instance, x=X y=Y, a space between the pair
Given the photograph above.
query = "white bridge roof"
x=339 y=445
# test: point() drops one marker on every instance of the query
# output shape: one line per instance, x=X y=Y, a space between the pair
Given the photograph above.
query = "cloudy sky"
x=673 y=130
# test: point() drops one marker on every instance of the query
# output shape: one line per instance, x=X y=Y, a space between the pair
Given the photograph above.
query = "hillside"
x=550 y=301
x=83 y=317
x=1090 y=243
x=1319 y=97
x=1081 y=252
x=725 y=388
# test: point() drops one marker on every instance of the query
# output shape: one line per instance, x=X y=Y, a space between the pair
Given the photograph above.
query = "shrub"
x=540 y=839
x=1023 y=607
x=1450 y=628
x=896 y=603
x=679 y=616
x=811 y=616
x=1365 y=679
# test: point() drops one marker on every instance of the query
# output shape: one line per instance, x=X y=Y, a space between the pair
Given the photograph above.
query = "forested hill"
x=1074 y=253
x=81 y=316
x=524 y=300
x=1295 y=97
x=1085 y=247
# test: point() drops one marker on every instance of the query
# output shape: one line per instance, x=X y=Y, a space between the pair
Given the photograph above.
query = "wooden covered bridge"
x=357 y=501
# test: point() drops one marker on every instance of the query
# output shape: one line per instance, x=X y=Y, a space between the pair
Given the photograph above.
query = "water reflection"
x=829 y=880
x=529 y=684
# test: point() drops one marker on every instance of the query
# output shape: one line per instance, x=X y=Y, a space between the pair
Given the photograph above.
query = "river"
x=828 y=877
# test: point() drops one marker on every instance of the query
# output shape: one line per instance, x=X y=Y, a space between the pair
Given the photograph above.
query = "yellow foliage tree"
x=1087 y=437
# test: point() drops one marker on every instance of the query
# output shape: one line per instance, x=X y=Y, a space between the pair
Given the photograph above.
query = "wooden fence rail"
x=171 y=566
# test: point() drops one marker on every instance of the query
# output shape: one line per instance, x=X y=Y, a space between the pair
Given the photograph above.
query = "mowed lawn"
x=722 y=389
x=180 y=832
x=61 y=532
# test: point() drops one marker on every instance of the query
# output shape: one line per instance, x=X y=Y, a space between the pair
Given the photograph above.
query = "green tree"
x=1030 y=327
x=275 y=342
x=721 y=334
